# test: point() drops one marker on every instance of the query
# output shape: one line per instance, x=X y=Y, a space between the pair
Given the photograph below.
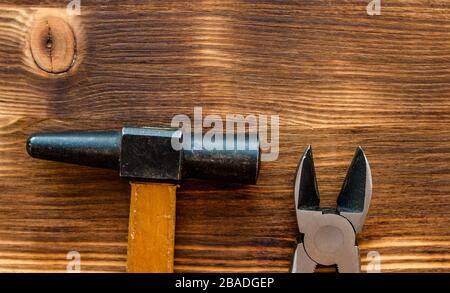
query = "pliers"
x=328 y=235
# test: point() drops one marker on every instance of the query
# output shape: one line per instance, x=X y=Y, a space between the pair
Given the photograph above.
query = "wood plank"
x=52 y=208
x=329 y=64
x=335 y=76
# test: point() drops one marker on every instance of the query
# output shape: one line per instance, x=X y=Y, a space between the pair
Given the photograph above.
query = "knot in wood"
x=53 y=44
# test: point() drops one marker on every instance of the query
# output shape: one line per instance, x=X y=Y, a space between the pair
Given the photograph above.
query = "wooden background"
x=335 y=76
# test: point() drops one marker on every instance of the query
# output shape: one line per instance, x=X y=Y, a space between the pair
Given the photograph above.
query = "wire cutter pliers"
x=328 y=236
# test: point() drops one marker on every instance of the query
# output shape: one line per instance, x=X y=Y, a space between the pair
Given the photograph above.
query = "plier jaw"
x=329 y=235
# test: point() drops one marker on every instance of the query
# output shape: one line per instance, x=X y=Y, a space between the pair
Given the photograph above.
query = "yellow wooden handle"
x=151 y=231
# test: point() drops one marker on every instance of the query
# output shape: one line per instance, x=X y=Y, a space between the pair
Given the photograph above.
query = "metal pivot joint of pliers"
x=328 y=236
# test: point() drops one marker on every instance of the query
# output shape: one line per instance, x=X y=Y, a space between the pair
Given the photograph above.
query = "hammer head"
x=148 y=154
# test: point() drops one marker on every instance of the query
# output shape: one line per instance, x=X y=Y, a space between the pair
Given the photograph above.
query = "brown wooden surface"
x=151 y=228
x=336 y=76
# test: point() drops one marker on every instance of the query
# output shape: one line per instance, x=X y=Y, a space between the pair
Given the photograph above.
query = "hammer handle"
x=151 y=232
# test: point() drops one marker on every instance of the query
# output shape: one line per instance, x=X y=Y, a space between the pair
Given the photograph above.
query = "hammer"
x=148 y=159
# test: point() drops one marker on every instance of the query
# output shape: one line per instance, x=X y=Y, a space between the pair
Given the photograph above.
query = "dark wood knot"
x=53 y=44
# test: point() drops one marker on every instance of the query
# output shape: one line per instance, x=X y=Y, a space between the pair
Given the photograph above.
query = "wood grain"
x=336 y=77
x=151 y=228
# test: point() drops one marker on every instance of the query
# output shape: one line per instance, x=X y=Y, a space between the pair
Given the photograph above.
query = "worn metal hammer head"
x=148 y=154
